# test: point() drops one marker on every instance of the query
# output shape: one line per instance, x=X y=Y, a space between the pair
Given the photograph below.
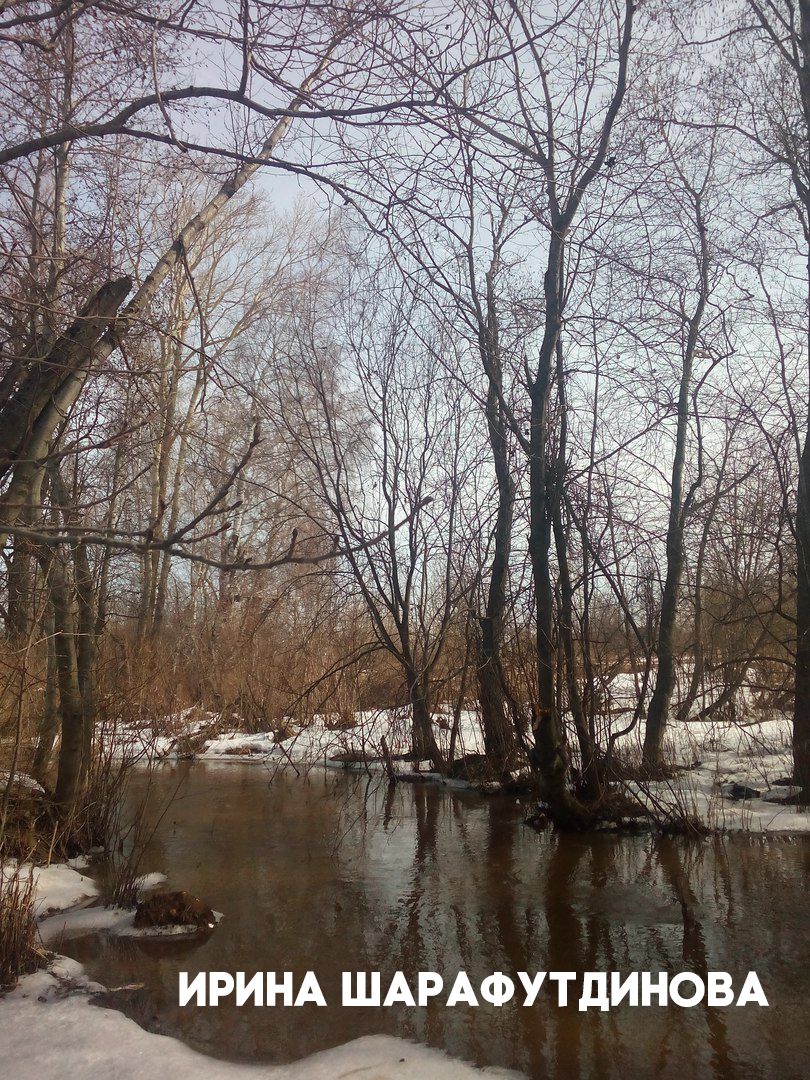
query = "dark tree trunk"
x=801 y=707
x=18 y=610
x=652 y=754
x=499 y=736
x=550 y=752
x=71 y=707
x=423 y=742
x=86 y=651
x=801 y=711
x=589 y=764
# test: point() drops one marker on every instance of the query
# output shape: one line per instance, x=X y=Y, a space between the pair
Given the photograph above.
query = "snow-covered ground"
x=59 y=887
x=49 y=1030
x=733 y=776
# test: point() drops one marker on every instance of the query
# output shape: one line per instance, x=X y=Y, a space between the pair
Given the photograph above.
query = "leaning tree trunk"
x=44 y=398
x=49 y=389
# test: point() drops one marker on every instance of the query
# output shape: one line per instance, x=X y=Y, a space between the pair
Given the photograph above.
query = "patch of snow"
x=56 y=887
x=59 y=887
x=22 y=781
x=83 y=1041
x=149 y=881
x=74 y=924
x=717 y=755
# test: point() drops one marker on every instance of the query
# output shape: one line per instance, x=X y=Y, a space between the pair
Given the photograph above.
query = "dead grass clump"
x=683 y=825
x=20 y=950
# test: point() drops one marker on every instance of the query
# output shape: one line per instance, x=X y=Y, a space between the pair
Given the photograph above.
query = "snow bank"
x=86 y=1043
x=719 y=758
x=324 y=740
x=118 y=922
x=58 y=887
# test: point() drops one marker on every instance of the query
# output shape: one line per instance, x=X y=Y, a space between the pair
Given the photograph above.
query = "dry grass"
x=20 y=950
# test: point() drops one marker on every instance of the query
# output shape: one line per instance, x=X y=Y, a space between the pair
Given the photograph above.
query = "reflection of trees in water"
x=515 y=920
x=675 y=864
x=338 y=872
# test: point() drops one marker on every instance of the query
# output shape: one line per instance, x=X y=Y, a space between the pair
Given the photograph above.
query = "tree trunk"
x=86 y=651
x=499 y=737
x=589 y=764
x=71 y=709
x=801 y=710
x=423 y=742
x=652 y=753
x=44 y=384
x=49 y=720
x=18 y=610
x=550 y=753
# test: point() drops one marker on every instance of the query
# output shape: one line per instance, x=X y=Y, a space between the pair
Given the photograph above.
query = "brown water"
x=331 y=873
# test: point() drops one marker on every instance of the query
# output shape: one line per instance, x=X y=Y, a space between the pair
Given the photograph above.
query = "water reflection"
x=334 y=873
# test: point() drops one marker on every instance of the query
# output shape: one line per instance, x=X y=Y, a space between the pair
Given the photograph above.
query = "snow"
x=83 y=1041
x=57 y=887
x=753 y=755
x=92 y=920
x=324 y=739
x=21 y=781
x=117 y=922
x=147 y=882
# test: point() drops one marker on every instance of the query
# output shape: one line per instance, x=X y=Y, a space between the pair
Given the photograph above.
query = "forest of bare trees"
x=387 y=356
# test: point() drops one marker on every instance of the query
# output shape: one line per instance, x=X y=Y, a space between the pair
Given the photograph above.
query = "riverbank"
x=728 y=776
x=85 y=1040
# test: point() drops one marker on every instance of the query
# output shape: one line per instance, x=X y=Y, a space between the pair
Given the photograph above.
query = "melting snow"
x=83 y=1041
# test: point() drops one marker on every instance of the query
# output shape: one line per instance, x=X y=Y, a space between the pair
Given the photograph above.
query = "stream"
x=332 y=871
